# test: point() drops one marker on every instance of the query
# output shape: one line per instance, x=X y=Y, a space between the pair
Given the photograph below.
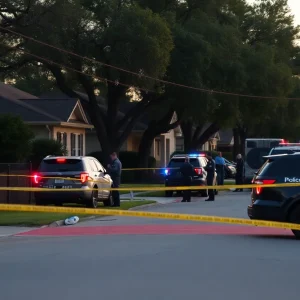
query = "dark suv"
x=82 y=173
x=280 y=204
x=173 y=176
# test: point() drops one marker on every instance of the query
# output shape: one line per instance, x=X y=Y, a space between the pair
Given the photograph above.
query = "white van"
x=255 y=150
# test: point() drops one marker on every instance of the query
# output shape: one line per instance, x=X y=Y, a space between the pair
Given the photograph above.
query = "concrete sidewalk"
x=6 y=231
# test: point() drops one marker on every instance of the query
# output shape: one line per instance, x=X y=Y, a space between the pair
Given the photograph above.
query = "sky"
x=295 y=8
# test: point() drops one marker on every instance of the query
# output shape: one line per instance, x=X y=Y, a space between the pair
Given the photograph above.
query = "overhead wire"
x=140 y=74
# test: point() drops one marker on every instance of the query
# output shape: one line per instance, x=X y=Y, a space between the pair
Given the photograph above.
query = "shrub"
x=40 y=148
x=15 y=139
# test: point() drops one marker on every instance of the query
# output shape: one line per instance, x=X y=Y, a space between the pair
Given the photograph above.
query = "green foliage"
x=15 y=139
x=40 y=148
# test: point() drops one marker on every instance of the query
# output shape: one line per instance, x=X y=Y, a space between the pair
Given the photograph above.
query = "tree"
x=268 y=35
x=15 y=139
x=114 y=32
x=40 y=148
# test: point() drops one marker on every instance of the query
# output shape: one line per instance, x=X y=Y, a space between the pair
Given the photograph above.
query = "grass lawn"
x=32 y=219
x=133 y=185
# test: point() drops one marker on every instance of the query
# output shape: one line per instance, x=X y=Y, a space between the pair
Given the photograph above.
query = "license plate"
x=59 y=181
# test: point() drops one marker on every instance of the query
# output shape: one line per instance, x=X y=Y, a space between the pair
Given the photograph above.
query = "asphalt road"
x=178 y=266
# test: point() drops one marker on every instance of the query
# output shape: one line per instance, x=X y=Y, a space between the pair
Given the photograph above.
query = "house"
x=226 y=142
x=60 y=119
x=56 y=116
x=210 y=145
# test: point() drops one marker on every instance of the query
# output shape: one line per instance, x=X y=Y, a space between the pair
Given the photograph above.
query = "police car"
x=280 y=204
x=285 y=148
x=173 y=176
x=84 y=177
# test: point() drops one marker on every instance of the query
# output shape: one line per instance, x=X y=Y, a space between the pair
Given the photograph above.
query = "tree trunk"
x=207 y=134
x=236 y=143
x=243 y=135
x=145 y=148
x=187 y=130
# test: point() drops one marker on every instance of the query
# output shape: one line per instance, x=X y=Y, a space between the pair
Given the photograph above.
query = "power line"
x=77 y=71
x=140 y=74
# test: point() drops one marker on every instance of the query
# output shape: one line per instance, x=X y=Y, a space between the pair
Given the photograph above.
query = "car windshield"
x=178 y=162
x=282 y=151
x=69 y=165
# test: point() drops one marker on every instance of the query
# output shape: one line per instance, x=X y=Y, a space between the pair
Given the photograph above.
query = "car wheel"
x=294 y=217
x=169 y=193
x=93 y=201
x=109 y=201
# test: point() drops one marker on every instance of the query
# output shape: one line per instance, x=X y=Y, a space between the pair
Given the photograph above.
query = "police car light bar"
x=289 y=144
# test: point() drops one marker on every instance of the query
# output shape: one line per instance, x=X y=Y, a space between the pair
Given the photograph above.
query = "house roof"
x=59 y=108
x=35 y=110
x=26 y=112
x=10 y=92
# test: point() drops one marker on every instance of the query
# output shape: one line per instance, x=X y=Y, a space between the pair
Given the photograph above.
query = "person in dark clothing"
x=220 y=167
x=239 y=177
x=187 y=171
x=115 y=170
x=210 y=169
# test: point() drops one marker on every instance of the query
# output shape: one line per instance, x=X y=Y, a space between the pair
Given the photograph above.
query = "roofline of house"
x=64 y=124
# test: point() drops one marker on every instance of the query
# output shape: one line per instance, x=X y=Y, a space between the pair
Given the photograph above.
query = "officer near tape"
x=187 y=171
x=210 y=169
x=115 y=170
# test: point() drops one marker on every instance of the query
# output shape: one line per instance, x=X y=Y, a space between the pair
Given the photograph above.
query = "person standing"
x=115 y=170
x=239 y=177
x=210 y=169
x=187 y=171
x=220 y=167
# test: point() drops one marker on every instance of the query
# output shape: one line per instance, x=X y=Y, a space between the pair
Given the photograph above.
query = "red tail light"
x=262 y=182
x=36 y=178
x=198 y=171
x=61 y=160
x=84 y=177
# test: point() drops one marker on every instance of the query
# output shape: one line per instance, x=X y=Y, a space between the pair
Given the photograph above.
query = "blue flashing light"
x=166 y=171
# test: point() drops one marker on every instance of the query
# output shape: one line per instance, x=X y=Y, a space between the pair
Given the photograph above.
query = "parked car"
x=281 y=204
x=230 y=169
x=72 y=172
x=173 y=176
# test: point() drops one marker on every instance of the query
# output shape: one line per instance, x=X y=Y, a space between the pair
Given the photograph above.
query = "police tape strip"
x=150 y=188
x=146 y=214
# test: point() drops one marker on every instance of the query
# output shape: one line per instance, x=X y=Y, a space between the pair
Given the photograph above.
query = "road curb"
x=144 y=206
x=60 y=223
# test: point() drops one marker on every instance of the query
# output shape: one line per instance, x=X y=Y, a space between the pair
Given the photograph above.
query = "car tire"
x=109 y=201
x=169 y=193
x=93 y=201
x=294 y=217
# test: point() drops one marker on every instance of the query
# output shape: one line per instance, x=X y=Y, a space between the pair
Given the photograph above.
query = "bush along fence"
x=7 y=180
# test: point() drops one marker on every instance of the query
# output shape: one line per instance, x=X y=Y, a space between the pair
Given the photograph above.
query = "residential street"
x=115 y=258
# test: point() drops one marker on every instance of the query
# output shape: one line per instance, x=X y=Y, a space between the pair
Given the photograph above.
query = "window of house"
x=157 y=147
x=76 y=144
x=62 y=138
x=73 y=144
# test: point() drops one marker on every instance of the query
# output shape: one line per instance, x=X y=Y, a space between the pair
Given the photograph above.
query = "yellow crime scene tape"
x=154 y=188
x=145 y=214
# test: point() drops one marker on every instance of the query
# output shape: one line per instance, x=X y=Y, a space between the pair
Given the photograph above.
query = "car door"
x=105 y=179
x=95 y=174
